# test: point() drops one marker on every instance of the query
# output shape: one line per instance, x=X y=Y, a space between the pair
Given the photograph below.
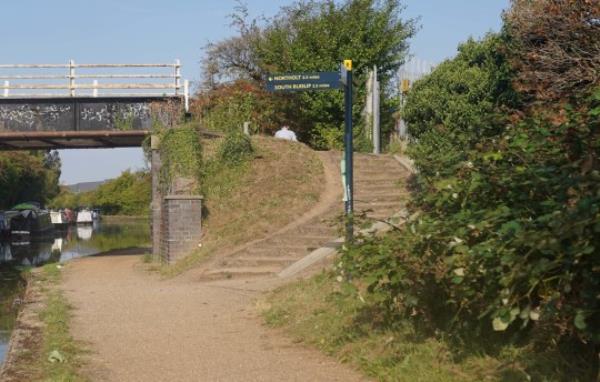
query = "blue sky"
x=122 y=31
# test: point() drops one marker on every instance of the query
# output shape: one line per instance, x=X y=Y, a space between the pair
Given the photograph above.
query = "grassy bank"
x=320 y=312
x=60 y=357
x=42 y=348
x=247 y=201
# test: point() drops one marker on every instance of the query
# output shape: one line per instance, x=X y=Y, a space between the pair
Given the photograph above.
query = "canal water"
x=64 y=245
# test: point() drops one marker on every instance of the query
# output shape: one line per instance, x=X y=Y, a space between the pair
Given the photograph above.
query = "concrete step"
x=376 y=179
x=304 y=240
x=377 y=205
x=376 y=182
x=381 y=215
x=317 y=230
x=260 y=261
x=381 y=168
x=276 y=251
x=388 y=197
x=240 y=272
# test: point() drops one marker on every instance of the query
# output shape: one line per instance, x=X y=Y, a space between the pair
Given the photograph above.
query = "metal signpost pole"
x=316 y=81
x=348 y=151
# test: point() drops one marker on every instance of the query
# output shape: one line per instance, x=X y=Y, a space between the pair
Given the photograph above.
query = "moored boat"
x=28 y=219
x=4 y=225
x=84 y=217
x=58 y=218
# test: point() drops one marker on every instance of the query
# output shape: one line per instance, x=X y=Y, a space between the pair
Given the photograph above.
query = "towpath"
x=140 y=328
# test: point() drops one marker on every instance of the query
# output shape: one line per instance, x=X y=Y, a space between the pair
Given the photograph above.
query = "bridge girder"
x=82 y=122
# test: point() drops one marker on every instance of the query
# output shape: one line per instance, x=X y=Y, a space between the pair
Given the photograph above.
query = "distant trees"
x=28 y=176
x=311 y=36
x=129 y=194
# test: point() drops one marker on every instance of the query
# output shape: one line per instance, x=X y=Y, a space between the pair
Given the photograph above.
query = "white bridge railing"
x=92 y=80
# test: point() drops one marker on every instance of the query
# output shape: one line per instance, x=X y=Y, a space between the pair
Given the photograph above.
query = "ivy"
x=180 y=154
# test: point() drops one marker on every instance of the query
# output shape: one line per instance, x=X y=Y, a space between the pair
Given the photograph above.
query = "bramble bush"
x=505 y=231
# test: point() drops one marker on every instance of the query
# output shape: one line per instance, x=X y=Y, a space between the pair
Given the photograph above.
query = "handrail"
x=175 y=87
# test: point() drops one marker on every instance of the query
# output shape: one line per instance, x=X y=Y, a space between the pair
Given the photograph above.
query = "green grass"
x=321 y=313
x=61 y=354
x=247 y=201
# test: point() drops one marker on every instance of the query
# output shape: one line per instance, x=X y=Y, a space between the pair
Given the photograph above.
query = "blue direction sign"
x=293 y=82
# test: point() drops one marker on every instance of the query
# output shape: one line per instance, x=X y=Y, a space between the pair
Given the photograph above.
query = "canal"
x=64 y=245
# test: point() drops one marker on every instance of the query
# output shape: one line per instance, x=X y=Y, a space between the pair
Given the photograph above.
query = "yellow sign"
x=348 y=64
x=405 y=87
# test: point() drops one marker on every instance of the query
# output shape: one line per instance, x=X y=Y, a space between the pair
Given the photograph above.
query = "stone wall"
x=181 y=226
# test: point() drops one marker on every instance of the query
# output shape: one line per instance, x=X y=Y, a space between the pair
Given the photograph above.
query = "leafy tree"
x=316 y=36
x=129 y=194
x=28 y=176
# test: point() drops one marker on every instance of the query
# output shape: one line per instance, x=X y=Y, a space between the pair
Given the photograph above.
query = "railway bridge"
x=80 y=106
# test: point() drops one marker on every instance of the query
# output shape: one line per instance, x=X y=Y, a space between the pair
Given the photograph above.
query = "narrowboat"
x=4 y=225
x=84 y=217
x=28 y=219
x=59 y=219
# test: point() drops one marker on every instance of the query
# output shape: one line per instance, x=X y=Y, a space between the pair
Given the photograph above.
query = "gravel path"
x=142 y=329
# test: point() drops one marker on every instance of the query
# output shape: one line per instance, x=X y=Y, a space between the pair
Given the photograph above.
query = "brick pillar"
x=181 y=226
x=156 y=197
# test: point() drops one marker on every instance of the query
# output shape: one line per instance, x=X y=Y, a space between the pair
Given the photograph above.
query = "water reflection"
x=70 y=243
x=75 y=241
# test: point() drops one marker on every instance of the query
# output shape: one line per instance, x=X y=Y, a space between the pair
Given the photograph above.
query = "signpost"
x=293 y=82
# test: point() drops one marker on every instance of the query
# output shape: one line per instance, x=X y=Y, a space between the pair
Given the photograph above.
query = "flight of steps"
x=379 y=187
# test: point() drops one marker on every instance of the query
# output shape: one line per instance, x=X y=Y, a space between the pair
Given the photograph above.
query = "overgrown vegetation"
x=180 y=155
x=28 y=176
x=129 y=194
x=498 y=268
x=349 y=325
x=502 y=246
x=269 y=184
x=306 y=36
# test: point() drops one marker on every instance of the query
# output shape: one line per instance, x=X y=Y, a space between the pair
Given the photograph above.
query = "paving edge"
x=407 y=163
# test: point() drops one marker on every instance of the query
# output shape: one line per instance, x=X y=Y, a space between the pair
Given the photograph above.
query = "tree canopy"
x=28 y=176
x=315 y=36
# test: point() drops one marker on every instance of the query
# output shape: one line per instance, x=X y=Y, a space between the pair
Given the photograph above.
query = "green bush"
x=236 y=148
x=505 y=234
